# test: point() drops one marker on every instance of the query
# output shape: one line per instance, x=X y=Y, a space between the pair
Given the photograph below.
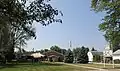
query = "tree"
x=82 y=55
x=63 y=51
x=76 y=53
x=93 y=49
x=68 y=56
x=56 y=48
x=43 y=51
x=18 y=17
x=97 y=58
x=111 y=21
x=6 y=44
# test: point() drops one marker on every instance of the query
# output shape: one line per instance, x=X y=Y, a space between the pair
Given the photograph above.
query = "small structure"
x=116 y=55
x=108 y=54
x=54 y=56
x=37 y=55
x=92 y=55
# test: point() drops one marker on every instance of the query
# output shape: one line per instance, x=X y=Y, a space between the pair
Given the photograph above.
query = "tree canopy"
x=16 y=21
x=111 y=21
x=69 y=56
x=56 y=48
x=80 y=54
x=93 y=49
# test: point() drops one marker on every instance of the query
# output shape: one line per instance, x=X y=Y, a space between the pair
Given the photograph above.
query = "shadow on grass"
x=112 y=68
x=117 y=67
x=7 y=66
x=19 y=65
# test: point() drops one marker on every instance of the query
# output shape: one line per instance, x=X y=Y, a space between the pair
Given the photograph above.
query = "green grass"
x=40 y=67
x=100 y=66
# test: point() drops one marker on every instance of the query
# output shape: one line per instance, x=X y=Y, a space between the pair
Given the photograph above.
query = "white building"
x=116 y=55
x=91 y=55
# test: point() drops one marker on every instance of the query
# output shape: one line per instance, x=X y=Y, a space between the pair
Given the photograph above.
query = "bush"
x=97 y=58
x=117 y=61
x=82 y=60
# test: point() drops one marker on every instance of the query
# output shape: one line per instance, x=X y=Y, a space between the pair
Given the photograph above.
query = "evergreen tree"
x=93 y=49
x=68 y=56
x=82 y=55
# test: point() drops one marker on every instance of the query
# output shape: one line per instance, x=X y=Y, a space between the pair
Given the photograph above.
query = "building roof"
x=96 y=53
x=37 y=55
x=117 y=52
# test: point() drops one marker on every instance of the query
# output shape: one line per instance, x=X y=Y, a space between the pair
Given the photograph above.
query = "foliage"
x=117 y=61
x=76 y=53
x=63 y=51
x=17 y=17
x=43 y=51
x=93 y=49
x=111 y=21
x=68 y=56
x=97 y=58
x=56 y=48
x=82 y=55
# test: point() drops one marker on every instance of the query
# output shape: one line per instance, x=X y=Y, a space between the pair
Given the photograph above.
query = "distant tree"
x=97 y=58
x=82 y=55
x=76 y=52
x=56 y=48
x=93 y=49
x=69 y=56
x=63 y=51
x=46 y=50
x=43 y=51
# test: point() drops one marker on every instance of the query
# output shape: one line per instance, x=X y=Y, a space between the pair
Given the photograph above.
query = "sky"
x=80 y=26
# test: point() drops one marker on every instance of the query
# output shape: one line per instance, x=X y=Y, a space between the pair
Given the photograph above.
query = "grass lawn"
x=40 y=67
x=100 y=66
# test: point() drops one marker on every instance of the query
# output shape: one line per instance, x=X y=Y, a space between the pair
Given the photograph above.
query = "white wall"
x=116 y=57
x=90 y=57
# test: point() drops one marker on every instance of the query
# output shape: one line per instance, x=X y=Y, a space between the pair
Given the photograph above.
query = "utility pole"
x=33 y=49
x=70 y=44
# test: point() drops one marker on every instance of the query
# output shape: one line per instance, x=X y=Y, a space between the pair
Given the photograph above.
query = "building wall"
x=116 y=57
x=90 y=57
x=54 y=56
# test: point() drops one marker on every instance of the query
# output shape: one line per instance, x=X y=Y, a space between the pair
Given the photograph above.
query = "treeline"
x=54 y=48
x=77 y=55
